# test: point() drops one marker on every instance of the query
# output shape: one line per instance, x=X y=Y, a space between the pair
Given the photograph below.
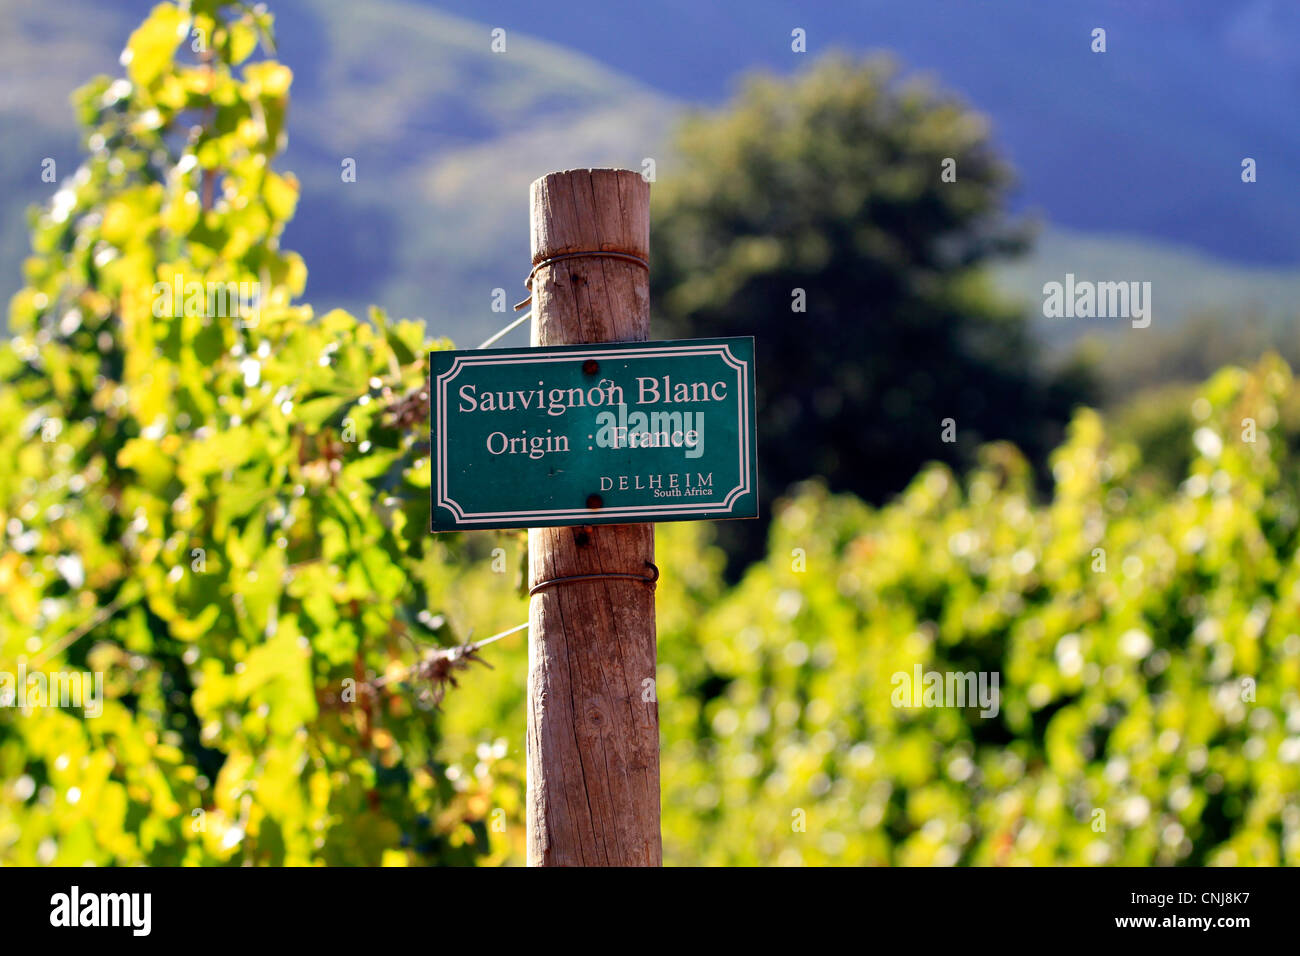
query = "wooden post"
x=593 y=719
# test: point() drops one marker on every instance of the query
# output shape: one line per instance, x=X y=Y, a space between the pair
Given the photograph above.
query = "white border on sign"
x=529 y=358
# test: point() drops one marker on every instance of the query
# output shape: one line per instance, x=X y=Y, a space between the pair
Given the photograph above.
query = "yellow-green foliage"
x=1154 y=691
x=1161 y=687
x=223 y=511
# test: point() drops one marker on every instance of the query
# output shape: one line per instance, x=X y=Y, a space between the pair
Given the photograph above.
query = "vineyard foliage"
x=215 y=499
x=1146 y=643
x=223 y=511
x=1147 y=647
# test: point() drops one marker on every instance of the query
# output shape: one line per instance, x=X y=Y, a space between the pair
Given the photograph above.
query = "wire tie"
x=597 y=253
x=654 y=576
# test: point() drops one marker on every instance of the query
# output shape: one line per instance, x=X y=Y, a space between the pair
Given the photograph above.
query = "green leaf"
x=149 y=51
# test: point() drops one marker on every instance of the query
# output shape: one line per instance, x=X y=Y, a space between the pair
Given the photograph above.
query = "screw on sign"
x=586 y=438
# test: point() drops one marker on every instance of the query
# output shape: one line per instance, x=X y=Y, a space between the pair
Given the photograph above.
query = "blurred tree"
x=842 y=218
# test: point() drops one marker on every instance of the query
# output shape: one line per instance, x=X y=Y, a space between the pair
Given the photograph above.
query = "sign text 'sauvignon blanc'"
x=593 y=434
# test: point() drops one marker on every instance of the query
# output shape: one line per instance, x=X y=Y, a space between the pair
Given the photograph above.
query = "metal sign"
x=593 y=434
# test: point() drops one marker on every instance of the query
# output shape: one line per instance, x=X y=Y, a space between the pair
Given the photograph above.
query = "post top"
x=579 y=210
x=585 y=170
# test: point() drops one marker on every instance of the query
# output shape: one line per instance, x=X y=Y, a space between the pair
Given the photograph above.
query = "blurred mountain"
x=445 y=135
x=1146 y=138
x=1184 y=282
x=1144 y=141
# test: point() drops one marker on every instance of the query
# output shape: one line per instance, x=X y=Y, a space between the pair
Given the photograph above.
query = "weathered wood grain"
x=593 y=737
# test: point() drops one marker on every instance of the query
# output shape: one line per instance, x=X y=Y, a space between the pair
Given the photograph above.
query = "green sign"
x=593 y=434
